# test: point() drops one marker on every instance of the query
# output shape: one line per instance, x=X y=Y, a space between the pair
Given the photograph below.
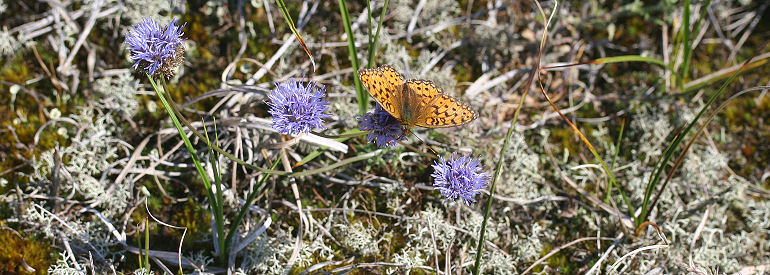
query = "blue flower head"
x=459 y=177
x=156 y=49
x=384 y=129
x=296 y=108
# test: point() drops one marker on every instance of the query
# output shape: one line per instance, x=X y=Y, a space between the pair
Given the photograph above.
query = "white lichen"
x=118 y=94
x=357 y=237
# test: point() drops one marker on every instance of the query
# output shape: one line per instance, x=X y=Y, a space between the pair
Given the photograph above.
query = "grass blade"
x=615 y=156
x=373 y=41
x=612 y=181
x=363 y=98
x=687 y=45
x=630 y=58
x=147 y=244
x=218 y=211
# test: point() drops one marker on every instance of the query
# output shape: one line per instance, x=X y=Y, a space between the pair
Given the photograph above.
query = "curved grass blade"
x=612 y=181
x=669 y=152
x=218 y=211
x=290 y=22
x=678 y=161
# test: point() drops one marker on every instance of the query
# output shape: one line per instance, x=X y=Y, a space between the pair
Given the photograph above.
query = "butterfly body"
x=414 y=102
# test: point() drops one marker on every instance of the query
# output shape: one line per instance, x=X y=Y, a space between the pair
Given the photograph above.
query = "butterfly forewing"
x=384 y=84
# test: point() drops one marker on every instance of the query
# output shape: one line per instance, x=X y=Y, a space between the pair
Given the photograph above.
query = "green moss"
x=565 y=138
x=17 y=251
x=195 y=218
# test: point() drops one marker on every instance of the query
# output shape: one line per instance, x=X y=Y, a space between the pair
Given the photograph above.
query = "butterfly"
x=414 y=102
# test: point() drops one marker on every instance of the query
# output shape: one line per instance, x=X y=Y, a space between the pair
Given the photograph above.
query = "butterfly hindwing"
x=425 y=90
x=445 y=111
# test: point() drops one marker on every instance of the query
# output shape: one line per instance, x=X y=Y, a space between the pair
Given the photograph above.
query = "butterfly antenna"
x=426 y=145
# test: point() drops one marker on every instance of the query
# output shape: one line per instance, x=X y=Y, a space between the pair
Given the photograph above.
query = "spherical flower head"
x=459 y=177
x=384 y=129
x=154 y=49
x=297 y=108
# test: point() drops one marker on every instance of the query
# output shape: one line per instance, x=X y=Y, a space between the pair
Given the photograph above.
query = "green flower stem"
x=217 y=205
x=193 y=153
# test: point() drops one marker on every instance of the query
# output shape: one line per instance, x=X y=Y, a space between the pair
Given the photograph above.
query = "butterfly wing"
x=385 y=85
x=436 y=109
x=423 y=90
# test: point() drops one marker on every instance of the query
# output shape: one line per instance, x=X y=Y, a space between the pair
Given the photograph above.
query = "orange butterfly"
x=414 y=102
